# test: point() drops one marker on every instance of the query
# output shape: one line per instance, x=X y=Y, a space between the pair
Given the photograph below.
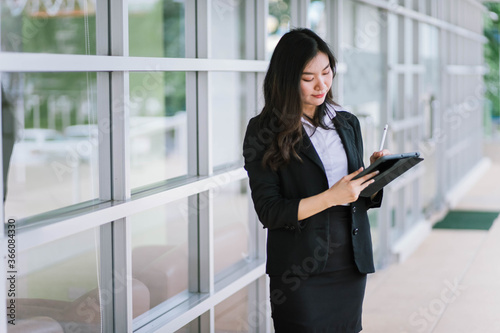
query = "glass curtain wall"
x=63 y=160
x=122 y=174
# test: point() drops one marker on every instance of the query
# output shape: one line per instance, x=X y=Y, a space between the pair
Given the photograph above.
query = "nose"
x=321 y=85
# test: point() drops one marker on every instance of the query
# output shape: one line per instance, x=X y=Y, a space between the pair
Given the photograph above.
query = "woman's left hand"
x=375 y=156
x=378 y=154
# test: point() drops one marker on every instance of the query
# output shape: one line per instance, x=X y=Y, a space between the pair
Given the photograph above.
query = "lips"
x=318 y=96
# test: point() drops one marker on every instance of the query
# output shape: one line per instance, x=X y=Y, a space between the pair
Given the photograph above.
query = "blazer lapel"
x=308 y=150
x=346 y=133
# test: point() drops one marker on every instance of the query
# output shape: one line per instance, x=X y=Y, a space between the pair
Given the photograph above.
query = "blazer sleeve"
x=377 y=199
x=274 y=210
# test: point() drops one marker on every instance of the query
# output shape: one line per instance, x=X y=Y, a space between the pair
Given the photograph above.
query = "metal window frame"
x=120 y=170
x=205 y=165
x=106 y=282
x=384 y=214
x=334 y=10
x=42 y=62
x=440 y=23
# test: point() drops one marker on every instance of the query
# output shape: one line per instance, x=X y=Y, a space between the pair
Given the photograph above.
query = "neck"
x=309 y=111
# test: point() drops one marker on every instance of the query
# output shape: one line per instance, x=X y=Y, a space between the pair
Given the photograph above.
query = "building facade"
x=126 y=206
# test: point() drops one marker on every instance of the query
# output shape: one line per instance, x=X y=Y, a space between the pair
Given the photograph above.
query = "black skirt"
x=330 y=302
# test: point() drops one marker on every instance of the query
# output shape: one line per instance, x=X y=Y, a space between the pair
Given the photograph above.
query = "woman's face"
x=315 y=83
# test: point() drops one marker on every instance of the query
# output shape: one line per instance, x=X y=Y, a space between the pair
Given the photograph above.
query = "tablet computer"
x=390 y=168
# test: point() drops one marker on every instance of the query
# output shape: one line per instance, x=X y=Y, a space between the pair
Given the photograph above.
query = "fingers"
x=358 y=185
x=348 y=190
x=366 y=184
x=367 y=177
x=385 y=152
x=350 y=176
x=382 y=152
x=363 y=179
x=378 y=154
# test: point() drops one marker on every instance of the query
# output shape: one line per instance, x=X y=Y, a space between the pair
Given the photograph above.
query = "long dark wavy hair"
x=283 y=104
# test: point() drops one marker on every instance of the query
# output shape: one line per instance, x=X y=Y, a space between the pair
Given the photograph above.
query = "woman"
x=301 y=154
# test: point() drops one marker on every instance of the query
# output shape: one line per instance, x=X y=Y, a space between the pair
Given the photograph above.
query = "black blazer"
x=298 y=247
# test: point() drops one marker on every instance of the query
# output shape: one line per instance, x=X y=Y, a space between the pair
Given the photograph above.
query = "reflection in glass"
x=66 y=27
x=160 y=251
x=228 y=103
x=278 y=23
x=156 y=28
x=231 y=243
x=50 y=127
x=232 y=314
x=228 y=30
x=57 y=286
x=158 y=127
x=193 y=326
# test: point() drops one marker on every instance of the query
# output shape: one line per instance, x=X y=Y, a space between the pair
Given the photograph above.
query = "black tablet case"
x=390 y=167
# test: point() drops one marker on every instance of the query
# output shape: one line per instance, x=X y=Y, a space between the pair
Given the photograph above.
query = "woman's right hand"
x=347 y=190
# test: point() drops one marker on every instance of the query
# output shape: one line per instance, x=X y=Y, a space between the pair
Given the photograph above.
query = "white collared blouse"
x=329 y=147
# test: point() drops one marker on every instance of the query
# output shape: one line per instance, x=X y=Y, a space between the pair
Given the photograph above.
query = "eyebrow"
x=307 y=73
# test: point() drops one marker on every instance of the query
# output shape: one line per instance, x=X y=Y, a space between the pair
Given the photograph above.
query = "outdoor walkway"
x=450 y=284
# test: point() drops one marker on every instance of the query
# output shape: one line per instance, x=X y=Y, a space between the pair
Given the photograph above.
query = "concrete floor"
x=450 y=284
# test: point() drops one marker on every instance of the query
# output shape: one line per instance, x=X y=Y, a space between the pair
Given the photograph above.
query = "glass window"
x=158 y=127
x=48 y=26
x=50 y=140
x=193 y=326
x=316 y=16
x=57 y=285
x=160 y=252
x=430 y=7
x=156 y=28
x=361 y=47
x=429 y=55
x=398 y=214
x=229 y=104
x=236 y=314
x=416 y=103
x=278 y=23
x=376 y=232
x=393 y=37
x=398 y=91
x=401 y=39
x=228 y=30
x=231 y=236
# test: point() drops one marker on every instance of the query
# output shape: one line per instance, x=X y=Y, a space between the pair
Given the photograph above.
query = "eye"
x=326 y=73
x=307 y=79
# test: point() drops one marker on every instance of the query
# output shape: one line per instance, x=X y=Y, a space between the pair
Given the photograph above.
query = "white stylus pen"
x=383 y=137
